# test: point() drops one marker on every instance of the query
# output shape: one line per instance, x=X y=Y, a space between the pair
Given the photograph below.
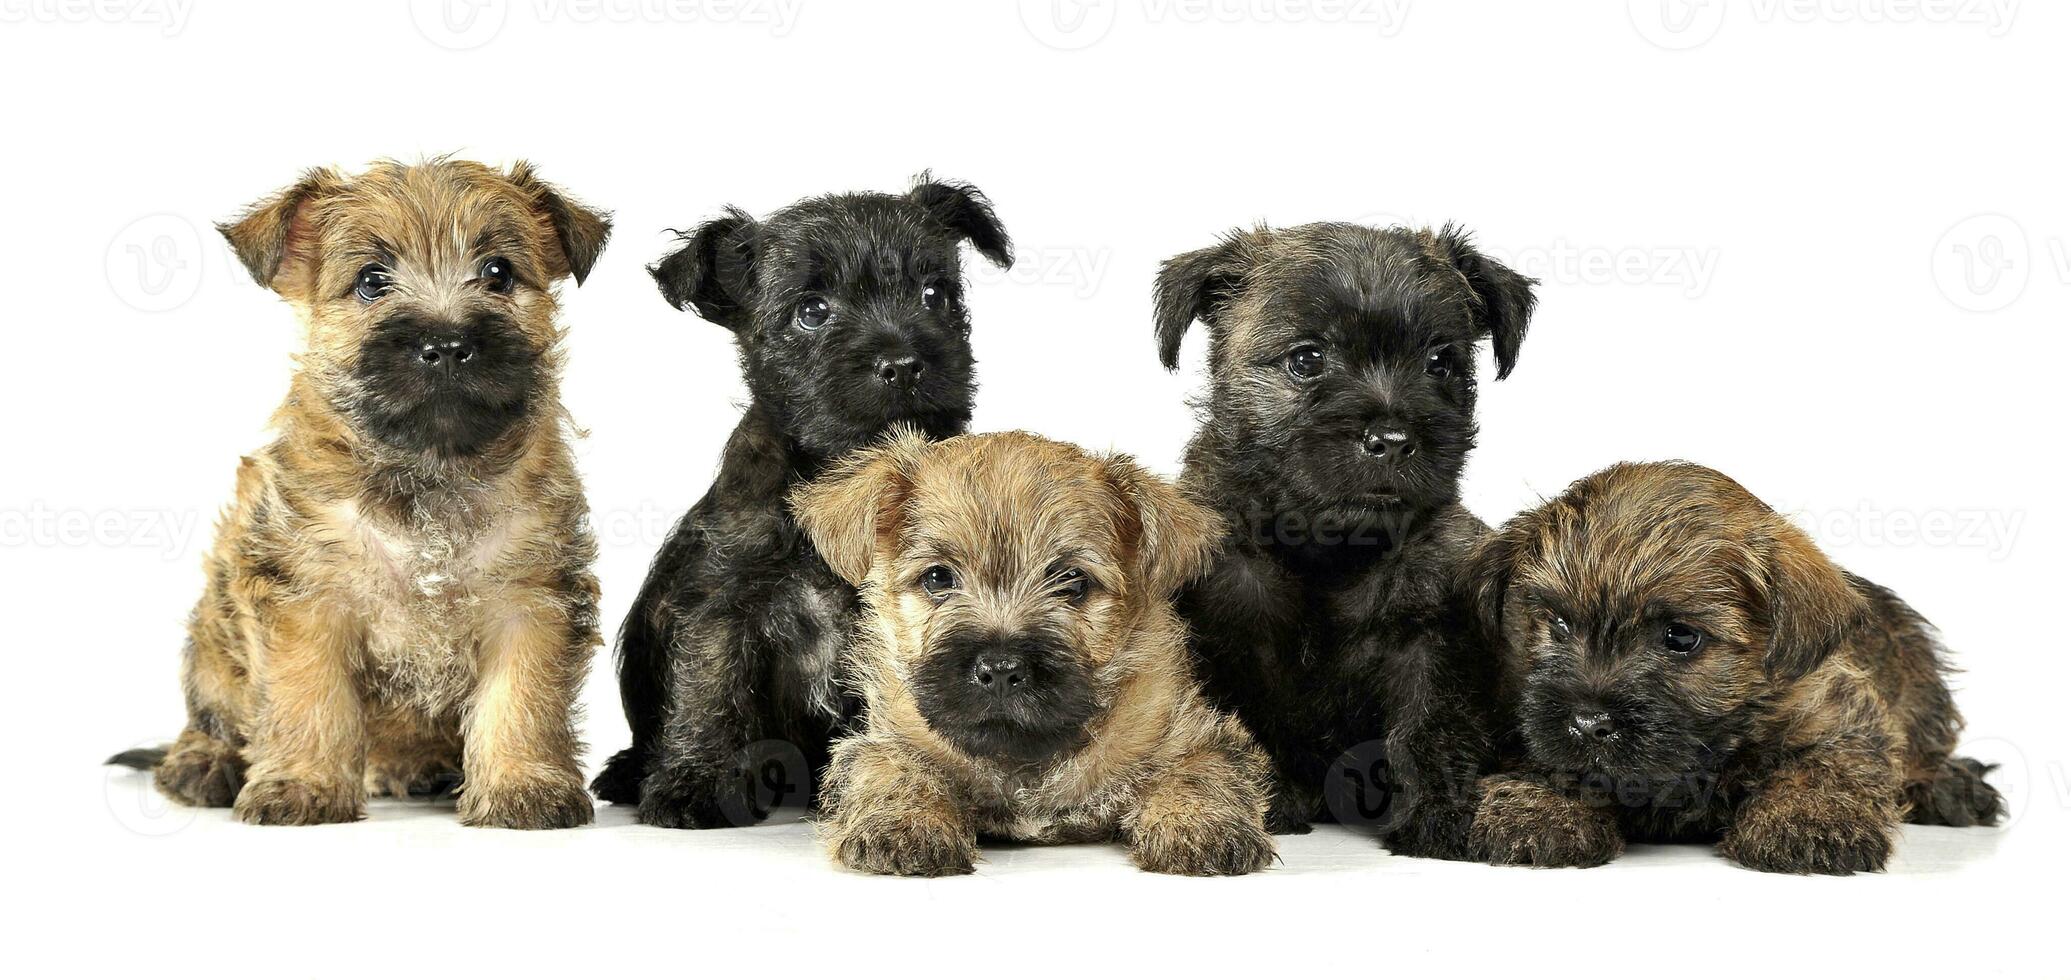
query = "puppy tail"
x=144 y=759
x=1956 y=796
x=620 y=781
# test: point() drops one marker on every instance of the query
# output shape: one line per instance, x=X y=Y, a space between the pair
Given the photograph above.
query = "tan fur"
x=1159 y=768
x=373 y=617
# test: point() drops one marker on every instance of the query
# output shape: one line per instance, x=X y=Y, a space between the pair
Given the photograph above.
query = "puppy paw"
x=546 y=805
x=292 y=803
x=1833 y=840
x=1432 y=828
x=1522 y=822
x=417 y=782
x=209 y=775
x=1205 y=848
x=698 y=802
x=911 y=849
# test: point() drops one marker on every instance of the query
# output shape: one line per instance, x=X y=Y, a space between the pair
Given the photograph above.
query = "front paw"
x=698 y=801
x=1521 y=822
x=294 y=803
x=891 y=847
x=1838 y=840
x=1204 y=848
x=1432 y=828
x=548 y=805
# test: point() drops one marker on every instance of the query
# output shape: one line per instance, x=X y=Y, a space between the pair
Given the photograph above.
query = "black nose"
x=1388 y=441
x=1000 y=673
x=900 y=372
x=448 y=354
x=1593 y=725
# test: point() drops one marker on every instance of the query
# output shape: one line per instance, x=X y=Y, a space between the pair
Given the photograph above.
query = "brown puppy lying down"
x=1025 y=675
x=1684 y=664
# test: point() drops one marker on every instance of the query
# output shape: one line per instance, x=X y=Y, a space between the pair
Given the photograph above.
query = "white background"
x=1760 y=244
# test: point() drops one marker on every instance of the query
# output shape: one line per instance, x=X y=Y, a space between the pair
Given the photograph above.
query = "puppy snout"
x=1388 y=440
x=1593 y=724
x=901 y=370
x=448 y=353
x=1001 y=673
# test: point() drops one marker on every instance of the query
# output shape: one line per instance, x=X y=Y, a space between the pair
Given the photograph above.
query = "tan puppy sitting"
x=1025 y=675
x=400 y=595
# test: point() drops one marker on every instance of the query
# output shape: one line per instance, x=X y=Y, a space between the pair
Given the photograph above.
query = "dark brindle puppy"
x=849 y=314
x=1340 y=412
x=1685 y=665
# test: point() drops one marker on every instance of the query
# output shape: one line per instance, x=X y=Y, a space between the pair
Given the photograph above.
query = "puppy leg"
x=1955 y=795
x=200 y=770
x=1830 y=812
x=1206 y=816
x=696 y=780
x=1438 y=748
x=891 y=816
x=1523 y=820
x=521 y=748
x=309 y=747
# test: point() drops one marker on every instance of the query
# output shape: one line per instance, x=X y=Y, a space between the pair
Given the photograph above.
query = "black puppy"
x=1340 y=412
x=849 y=314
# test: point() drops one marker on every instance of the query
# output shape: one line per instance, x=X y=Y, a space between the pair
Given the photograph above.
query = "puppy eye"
x=1560 y=629
x=374 y=282
x=1071 y=585
x=934 y=295
x=938 y=581
x=1682 y=639
x=1306 y=361
x=1440 y=364
x=497 y=276
x=814 y=312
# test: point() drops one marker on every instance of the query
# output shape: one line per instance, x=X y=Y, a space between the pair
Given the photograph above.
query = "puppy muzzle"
x=1017 y=698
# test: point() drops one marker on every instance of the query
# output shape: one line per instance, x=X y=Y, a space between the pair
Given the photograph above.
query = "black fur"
x=414 y=392
x=734 y=639
x=1040 y=719
x=1330 y=623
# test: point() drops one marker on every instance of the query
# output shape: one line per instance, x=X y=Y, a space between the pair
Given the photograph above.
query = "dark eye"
x=814 y=312
x=1559 y=628
x=937 y=582
x=1071 y=585
x=497 y=276
x=1440 y=364
x=374 y=282
x=1306 y=361
x=934 y=295
x=1682 y=638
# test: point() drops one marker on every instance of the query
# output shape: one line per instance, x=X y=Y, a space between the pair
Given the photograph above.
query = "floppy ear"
x=1483 y=578
x=1503 y=300
x=851 y=509
x=1199 y=285
x=1173 y=538
x=714 y=269
x=277 y=238
x=966 y=212
x=579 y=230
x=1813 y=606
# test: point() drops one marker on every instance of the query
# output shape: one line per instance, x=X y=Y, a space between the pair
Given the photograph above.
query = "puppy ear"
x=714 y=269
x=1503 y=300
x=1813 y=606
x=851 y=509
x=277 y=238
x=1172 y=537
x=580 y=231
x=1483 y=578
x=1199 y=285
x=967 y=213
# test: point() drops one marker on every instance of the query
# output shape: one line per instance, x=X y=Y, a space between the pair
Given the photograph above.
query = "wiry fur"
x=389 y=605
x=735 y=639
x=1811 y=720
x=1328 y=625
x=1145 y=759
